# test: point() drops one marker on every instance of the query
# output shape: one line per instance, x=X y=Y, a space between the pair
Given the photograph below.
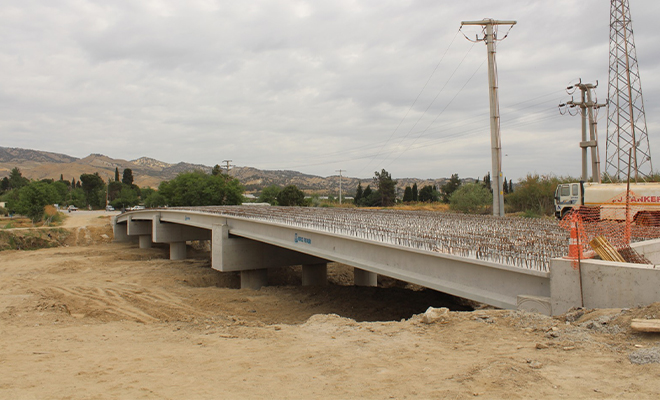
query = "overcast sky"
x=312 y=86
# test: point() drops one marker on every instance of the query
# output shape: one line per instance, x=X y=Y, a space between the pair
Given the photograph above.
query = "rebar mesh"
x=520 y=242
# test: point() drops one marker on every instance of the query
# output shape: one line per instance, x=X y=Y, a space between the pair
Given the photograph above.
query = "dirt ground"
x=99 y=320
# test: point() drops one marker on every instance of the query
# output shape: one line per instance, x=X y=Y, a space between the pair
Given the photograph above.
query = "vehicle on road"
x=607 y=201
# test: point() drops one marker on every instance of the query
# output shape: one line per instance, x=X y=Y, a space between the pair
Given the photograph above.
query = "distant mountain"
x=8 y=155
x=35 y=164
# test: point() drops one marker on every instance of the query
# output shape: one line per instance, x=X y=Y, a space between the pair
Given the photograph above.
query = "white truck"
x=608 y=201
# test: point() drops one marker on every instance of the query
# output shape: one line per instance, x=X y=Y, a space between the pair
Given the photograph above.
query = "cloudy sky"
x=312 y=86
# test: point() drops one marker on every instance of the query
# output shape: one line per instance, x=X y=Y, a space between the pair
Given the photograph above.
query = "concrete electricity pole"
x=587 y=107
x=340 y=171
x=490 y=37
x=228 y=165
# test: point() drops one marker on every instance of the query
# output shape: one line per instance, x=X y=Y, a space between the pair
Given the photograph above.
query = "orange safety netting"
x=617 y=227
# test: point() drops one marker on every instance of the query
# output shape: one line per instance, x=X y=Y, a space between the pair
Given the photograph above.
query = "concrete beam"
x=165 y=232
x=315 y=274
x=364 y=278
x=230 y=253
x=178 y=251
x=137 y=227
x=145 y=241
x=254 y=279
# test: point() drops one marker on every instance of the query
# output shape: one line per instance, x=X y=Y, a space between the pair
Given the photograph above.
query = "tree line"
x=30 y=197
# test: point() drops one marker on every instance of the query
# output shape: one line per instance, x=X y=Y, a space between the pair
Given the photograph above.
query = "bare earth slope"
x=107 y=321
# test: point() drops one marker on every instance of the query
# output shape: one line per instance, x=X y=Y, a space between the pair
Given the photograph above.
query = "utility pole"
x=490 y=37
x=228 y=165
x=340 y=171
x=587 y=107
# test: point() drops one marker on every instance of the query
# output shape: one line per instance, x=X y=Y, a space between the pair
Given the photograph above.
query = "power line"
x=414 y=102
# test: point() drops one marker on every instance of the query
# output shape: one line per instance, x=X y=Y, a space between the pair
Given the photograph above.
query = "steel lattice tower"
x=626 y=122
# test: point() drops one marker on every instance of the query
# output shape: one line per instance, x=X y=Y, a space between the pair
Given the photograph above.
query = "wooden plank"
x=605 y=250
x=645 y=325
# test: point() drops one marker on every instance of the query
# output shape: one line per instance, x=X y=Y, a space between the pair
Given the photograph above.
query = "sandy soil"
x=106 y=321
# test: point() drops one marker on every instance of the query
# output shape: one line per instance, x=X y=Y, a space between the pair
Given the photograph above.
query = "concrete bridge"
x=501 y=262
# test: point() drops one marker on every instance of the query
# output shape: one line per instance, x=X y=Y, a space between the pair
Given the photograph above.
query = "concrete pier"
x=145 y=241
x=178 y=251
x=315 y=274
x=364 y=278
x=254 y=279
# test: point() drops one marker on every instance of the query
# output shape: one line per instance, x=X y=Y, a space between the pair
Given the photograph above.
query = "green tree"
x=116 y=174
x=471 y=198
x=370 y=198
x=62 y=190
x=94 y=188
x=407 y=195
x=269 y=194
x=488 y=183
x=450 y=187
x=386 y=188
x=114 y=188
x=505 y=187
x=200 y=189
x=155 y=199
x=16 y=179
x=127 y=198
x=358 y=194
x=510 y=186
x=127 y=178
x=77 y=198
x=217 y=170
x=428 y=194
x=4 y=185
x=415 y=192
x=291 y=196
x=32 y=199
x=535 y=194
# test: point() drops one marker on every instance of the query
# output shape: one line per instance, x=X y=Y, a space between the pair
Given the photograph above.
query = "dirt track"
x=106 y=321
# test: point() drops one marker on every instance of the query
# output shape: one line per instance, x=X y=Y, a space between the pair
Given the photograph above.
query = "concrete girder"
x=231 y=253
x=165 y=232
x=137 y=227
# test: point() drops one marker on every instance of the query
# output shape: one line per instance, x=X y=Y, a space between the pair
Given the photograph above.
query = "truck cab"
x=567 y=196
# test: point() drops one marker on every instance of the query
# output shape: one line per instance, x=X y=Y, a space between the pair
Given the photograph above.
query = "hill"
x=35 y=164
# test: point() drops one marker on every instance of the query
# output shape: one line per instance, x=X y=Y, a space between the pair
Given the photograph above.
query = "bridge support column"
x=178 y=251
x=364 y=278
x=315 y=274
x=145 y=241
x=254 y=278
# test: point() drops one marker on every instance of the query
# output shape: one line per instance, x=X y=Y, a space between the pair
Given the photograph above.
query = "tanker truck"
x=607 y=201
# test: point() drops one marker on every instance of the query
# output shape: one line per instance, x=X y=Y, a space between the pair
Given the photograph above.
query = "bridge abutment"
x=315 y=274
x=364 y=278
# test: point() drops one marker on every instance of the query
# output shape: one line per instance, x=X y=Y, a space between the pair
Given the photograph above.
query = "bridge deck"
x=521 y=242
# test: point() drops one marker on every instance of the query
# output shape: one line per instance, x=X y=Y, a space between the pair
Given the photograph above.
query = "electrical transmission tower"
x=626 y=121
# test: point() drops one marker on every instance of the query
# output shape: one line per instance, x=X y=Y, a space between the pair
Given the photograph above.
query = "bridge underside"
x=252 y=247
